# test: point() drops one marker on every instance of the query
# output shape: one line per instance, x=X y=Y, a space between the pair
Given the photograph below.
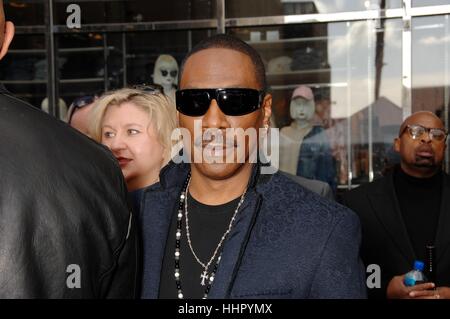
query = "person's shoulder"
x=360 y=192
x=316 y=186
x=34 y=133
x=293 y=197
x=287 y=203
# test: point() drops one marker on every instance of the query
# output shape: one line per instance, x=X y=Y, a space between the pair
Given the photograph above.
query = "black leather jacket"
x=65 y=227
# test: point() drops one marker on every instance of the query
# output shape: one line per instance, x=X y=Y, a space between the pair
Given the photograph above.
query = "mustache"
x=215 y=137
x=425 y=148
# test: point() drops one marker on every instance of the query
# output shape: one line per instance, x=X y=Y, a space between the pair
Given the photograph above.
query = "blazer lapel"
x=156 y=224
x=234 y=248
x=386 y=207
x=443 y=234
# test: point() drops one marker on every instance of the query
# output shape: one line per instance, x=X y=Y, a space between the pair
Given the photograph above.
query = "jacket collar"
x=173 y=175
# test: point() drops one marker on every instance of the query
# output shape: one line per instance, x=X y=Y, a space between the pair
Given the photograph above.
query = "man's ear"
x=9 y=34
x=397 y=144
x=267 y=109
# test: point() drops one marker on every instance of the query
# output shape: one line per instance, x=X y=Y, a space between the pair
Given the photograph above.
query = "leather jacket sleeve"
x=66 y=230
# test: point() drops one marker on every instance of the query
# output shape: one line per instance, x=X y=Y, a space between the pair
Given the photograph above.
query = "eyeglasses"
x=149 y=88
x=173 y=73
x=417 y=131
x=78 y=103
x=231 y=101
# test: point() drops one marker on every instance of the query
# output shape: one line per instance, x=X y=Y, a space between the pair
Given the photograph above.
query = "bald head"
x=421 y=154
x=420 y=117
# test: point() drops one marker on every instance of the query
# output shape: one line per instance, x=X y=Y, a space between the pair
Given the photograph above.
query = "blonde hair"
x=159 y=107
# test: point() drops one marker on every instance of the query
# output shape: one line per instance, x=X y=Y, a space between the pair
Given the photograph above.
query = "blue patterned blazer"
x=287 y=242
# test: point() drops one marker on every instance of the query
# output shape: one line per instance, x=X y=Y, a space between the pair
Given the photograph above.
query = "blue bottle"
x=415 y=276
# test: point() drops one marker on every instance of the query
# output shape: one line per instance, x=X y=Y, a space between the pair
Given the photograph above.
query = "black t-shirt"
x=207 y=225
x=420 y=203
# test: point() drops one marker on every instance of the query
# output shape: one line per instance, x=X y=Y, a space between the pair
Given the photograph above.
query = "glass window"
x=351 y=73
x=82 y=64
x=261 y=8
x=430 y=62
x=97 y=62
x=431 y=66
x=23 y=70
x=143 y=53
x=137 y=11
x=423 y=3
x=25 y=13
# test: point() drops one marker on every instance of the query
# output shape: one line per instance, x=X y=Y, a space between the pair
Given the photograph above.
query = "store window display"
x=61 y=105
x=304 y=146
x=279 y=64
x=165 y=73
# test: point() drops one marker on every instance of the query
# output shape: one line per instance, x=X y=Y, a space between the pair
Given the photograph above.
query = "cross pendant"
x=204 y=277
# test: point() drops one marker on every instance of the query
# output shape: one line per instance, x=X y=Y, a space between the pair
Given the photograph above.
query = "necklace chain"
x=204 y=276
x=188 y=235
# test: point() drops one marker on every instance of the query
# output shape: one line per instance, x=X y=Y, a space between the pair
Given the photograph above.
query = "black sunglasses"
x=83 y=101
x=173 y=73
x=231 y=101
x=78 y=103
x=149 y=88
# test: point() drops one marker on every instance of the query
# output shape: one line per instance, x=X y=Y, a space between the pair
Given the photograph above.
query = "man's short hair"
x=225 y=41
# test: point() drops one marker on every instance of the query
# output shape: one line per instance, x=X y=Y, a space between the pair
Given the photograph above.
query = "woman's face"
x=128 y=132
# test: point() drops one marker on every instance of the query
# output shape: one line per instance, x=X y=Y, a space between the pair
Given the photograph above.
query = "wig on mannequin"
x=165 y=72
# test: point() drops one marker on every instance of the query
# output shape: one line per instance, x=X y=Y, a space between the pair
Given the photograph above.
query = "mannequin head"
x=302 y=105
x=165 y=72
x=6 y=32
x=62 y=108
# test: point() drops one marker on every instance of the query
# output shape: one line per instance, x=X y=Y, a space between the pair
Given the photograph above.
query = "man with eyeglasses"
x=65 y=227
x=407 y=210
x=224 y=229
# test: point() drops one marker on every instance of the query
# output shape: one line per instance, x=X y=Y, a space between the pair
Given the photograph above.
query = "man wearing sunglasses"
x=407 y=210
x=226 y=230
x=65 y=228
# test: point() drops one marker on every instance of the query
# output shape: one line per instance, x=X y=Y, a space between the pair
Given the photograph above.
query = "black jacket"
x=385 y=240
x=65 y=227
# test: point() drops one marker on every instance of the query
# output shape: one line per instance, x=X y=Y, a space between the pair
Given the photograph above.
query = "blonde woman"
x=137 y=126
